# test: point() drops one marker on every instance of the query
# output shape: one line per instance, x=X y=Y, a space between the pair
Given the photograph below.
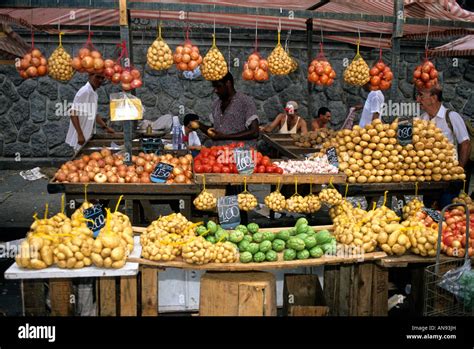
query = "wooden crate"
x=356 y=289
x=303 y=296
x=238 y=294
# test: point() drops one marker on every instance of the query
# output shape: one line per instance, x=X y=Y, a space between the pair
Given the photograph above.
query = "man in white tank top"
x=289 y=122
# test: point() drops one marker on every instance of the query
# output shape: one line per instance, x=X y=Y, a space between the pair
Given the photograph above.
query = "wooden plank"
x=379 y=291
x=251 y=300
x=354 y=290
x=306 y=310
x=417 y=294
x=61 y=294
x=324 y=260
x=214 y=302
x=149 y=291
x=364 y=295
x=409 y=258
x=345 y=282
x=107 y=296
x=269 y=178
x=331 y=288
x=128 y=296
x=301 y=289
x=33 y=296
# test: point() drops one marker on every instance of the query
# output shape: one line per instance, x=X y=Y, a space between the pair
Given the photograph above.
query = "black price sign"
x=96 y=218
x=332 y=156
x=404 y=133
x=244 y=161
x=435 y=215
x=228 y=210
x=161 y=173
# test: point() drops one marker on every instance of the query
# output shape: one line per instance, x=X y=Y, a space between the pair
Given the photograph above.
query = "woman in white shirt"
x=190 y=137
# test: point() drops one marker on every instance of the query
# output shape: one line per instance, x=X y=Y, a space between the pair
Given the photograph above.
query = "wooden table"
x=285 y=146
x=269 y=178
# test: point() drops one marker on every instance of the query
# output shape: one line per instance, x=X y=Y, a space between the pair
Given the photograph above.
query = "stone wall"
x=30 y=126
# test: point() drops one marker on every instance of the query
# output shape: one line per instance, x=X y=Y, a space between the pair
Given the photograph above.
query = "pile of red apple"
x=127 y=77
x=454 y=233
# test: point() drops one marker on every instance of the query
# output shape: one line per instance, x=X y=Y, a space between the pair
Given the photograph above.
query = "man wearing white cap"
x=288 y=122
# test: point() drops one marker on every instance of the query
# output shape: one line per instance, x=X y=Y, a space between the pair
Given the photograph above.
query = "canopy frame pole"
x=309 y=41
x=398 y=12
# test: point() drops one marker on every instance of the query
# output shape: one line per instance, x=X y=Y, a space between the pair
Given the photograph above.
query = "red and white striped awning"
x=435 y=9
x=460 y=47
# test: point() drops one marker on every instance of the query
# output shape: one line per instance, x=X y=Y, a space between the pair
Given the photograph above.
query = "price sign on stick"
x=96 y=218
x=244 y=161
x=229 y=212
x=405 y=133
x=332 y=156
x=161 y=173
x=435 y=215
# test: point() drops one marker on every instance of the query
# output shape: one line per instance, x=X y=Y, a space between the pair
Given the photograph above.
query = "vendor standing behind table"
x=373 y=107
x=83 y=113
x=288 y=122
x=234 y=115
x=190 y=136
x=322 y=120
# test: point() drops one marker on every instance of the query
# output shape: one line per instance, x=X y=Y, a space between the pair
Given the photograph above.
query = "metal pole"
x=309 y=41
x=398 y=13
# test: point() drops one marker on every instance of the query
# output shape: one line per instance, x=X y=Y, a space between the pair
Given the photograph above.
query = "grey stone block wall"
x=29 y=124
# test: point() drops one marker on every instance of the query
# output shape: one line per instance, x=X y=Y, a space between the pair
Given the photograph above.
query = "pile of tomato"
x=220 y=159
x=454 y=233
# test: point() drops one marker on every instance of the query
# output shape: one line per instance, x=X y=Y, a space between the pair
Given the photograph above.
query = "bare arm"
x=375 y=116
x=275 y=123
x=464 y=152
x=304 y=126
x=75 y=121
x=250 y=133
x=102 y=124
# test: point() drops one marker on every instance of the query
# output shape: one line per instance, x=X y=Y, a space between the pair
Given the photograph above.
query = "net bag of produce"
x=275 y=200
x=320 y=71
x=214 y=66
x=296 y=203
x=380 y=75
x=357 y=73
x=186 y=56
x=124 y=74
x=425 y=75
x=124 y=106
x=33 y=64
x=205 y=201
x=256 y=68
x=247 y=201
x=88 y=59
x=313 y=204
x=159 y=56
x=60 y=63
x=279 y=62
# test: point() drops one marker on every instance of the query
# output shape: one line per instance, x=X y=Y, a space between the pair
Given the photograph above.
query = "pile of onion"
x=187 y=57
x=105 y=167
x=320 y=72
x=256 y=68
x=380 y=76
x=128 y=78
x=425 y=75
x=88 y=60
x=32 y=64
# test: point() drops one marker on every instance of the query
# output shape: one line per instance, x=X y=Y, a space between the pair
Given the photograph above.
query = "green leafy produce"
x=211 y=239
x=278 y=245
x=259 y=257
x=236 y=236
x=258 y=237
x=292 y=231
x=222 y=235
x=212 y=227
x=310 y=242
x=316 y=252
x=323 y=237
x=243 y=245
x=300 y=221
x=302 y=236
x=283 y=235
x=289 y=254
x=302 y=228
x=265 y=246
x=242 y=228
x=268 y=235
x=252 y=228
x=246 y=257
x=304 y=254
x=253 y=247
x=271 y=256
x=296 y=244
x=248 y=238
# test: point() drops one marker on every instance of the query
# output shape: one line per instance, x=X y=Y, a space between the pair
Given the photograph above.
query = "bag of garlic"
x=205 y=201
x=214 y=66
x=279 y=62
x=358 y=72
x=60 y=63
x=159 y=55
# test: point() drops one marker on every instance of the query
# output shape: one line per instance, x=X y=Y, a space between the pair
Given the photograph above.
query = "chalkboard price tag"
x=435 y=215
x=229 y=212
x=332 y=156
x=405 y=133
x=161 y=173
x=244 y=160
x=96 y=215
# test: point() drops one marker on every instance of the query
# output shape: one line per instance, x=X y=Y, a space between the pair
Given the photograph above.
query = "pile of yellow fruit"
x=214 y=66
x=372 y=154
x=60 y=65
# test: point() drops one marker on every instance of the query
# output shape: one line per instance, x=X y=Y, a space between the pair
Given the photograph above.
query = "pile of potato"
x=75 y=252
x=372 y=154
x=214 y=66
x=394 y=239
x=198 y=251
x=412 y=208
x=159 y=55
x=357 y=73
x=175 y=223
x=205 y=201
x=247 y=201
x=279 y=62
x=330 y=196
x=226 y=252
x=313 y=204
x=275 y=201
x=297 y=204
x=313 y=139
x=159 y=245
x=465 y=199
x=35 y=253
x=423 y=239
x=60 y=65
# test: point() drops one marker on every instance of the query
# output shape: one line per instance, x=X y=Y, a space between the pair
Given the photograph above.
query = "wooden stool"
x=238 y=294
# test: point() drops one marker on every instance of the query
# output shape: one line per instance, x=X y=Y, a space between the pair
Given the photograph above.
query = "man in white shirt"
x=372 y=107
x=190 y=137
x=430 y=100
x=83 y=113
